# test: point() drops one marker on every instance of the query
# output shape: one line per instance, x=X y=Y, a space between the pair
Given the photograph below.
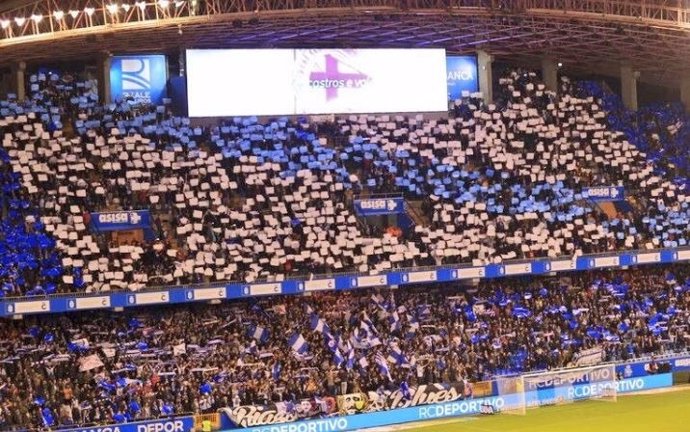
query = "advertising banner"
x=141 y=79
x=605 y=193
x=174 y=424
x=633 y=370
x=421 y=395
x=402 y=415
x=379 y=206
x=589 y=357
x=256 y=415
x=461 y=72
x=120 y=220
x=681 y=364
x=315 y=81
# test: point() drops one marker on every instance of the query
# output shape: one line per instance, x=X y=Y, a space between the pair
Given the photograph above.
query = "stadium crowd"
x=61 y=370
x=251 y=201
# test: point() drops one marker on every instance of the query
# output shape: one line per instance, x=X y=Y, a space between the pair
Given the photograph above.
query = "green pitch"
x=665 y=412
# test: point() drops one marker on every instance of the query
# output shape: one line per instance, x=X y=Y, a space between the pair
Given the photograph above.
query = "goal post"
x=556 y=387
x=571 y=385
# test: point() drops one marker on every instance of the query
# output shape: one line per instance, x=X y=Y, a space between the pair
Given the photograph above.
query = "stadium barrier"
x=172 y=424
x=237 y=290
x=455 y=408
x=355 y=411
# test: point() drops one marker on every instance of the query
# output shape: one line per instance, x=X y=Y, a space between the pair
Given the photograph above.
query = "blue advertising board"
x=586 y=389
x=401 y=277
x=680 y=364
x=605 y=193
x=404 y=415
x=461 y=72
x=120 y=220
x=173 y=424
x=139 y=78
x=640 y=369
x=380 y=206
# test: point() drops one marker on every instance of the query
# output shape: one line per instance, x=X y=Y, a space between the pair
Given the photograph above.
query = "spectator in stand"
x=151 y=362
x=246 y=201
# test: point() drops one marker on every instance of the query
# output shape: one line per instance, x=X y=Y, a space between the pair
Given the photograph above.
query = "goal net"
x=558 y=387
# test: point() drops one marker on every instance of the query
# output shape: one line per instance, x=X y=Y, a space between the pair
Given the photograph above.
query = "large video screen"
x=319 y=81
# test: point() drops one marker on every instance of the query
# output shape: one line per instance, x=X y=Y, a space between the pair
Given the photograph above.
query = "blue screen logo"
x=461 y=72
x=140 y=79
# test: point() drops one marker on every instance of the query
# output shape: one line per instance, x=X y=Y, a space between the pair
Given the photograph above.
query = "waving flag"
x=383 y=366
x=405 y=390
x=378 y=300
x=362 y=340
x=318 y=325
x=521 y=312
x=47 y=417
x=338 y=358
x=367 y=325
x=179 y=349
x=78 y=345
x=276 y=371
x=350 y=359
x=394 y=321
x=298 y=344
x=397 y=356
x=259 y=333
x=90 y=362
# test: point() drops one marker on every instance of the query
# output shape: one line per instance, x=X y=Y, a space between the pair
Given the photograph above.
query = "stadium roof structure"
x=651 y=36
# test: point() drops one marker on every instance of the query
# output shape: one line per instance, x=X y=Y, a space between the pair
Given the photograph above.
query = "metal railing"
x=309 y=276
x=44 y=18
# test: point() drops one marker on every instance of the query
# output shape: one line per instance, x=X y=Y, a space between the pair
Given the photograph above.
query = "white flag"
x=180 y=349
x=89 y=362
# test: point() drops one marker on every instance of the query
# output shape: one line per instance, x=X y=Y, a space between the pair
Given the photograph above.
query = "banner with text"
x=282 y=412
x=379 y=206
x=605 y=193
x=174 y=424
x=462 y=76
x=139 y=79
x=120 y=220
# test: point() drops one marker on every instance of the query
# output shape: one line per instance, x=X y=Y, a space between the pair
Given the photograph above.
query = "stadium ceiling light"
x=141 y=5
x=126 y=7
x=37 y=18
x=164 y=3
x=58 y=15
x=89 y=10
x=20 y=21
x=178 y=3
x=560 y=64
x=4 y=23
x=73 y=13
x=112 y=8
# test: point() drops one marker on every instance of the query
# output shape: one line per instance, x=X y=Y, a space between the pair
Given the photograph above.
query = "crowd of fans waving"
x=105 y=367
x=249 y=201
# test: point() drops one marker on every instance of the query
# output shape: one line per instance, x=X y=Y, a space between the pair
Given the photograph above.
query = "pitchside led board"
x=462 y=75
x=138 y=78
x=315 y=81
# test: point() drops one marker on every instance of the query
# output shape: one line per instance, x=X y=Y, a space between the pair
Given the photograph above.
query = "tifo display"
x=250 y=201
